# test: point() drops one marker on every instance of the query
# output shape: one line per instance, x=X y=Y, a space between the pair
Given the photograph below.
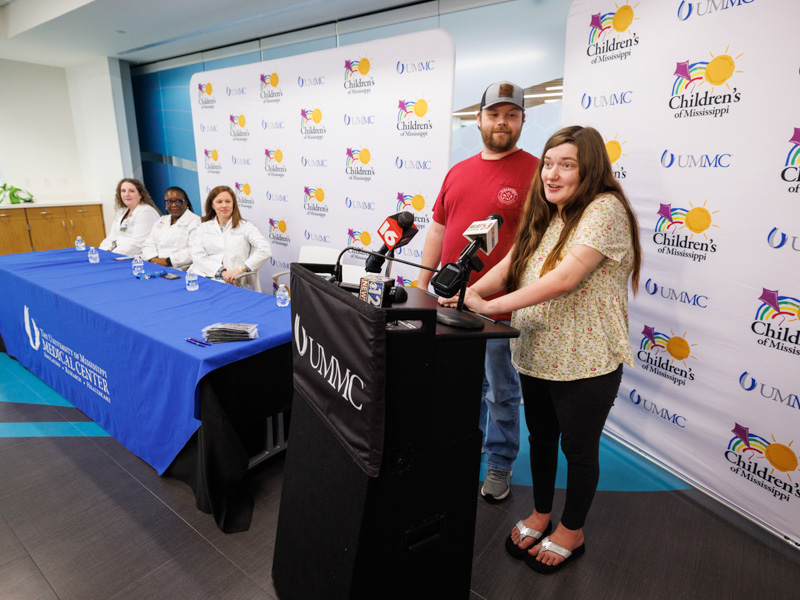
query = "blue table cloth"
x=114 y=345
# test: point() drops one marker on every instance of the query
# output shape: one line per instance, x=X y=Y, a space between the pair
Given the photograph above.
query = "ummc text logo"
x=415 y=67
x=418 y=165
x=326 y=364
x=690 y=161
x=602 y=101
x=681 y=296
x=707 y=7
x=651 y=407
x=310 y=81
x=317 y=237
x=749 y=383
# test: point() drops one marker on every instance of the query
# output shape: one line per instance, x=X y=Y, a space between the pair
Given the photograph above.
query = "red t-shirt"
x=476 y=188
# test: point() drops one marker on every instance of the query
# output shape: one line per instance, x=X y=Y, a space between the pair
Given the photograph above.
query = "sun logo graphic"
x=205 y=88
x=406 y=282
x=242 y=189
x=406 y=201
x=696 y=219
x=353 y=68
x=614 y=151
x=277 y=232
x=211 y=156
x=277 y=226
x=308 y=116
x=660 y=352
x=273 y=155
x=270 y=80
x=204 y=97
x=362 y=156
x=310 y=194
x=362 y=237
x=757 y=459
x=313 y=201
x=619 y=21
x=776 y=322
x=238 y=132
x=237 y=121
x=406 y=110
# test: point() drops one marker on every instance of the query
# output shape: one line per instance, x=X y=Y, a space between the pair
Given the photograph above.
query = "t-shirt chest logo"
x=507 y=196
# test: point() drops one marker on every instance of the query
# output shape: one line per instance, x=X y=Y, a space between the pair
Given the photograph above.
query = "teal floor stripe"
x=17 y=384
x=45 y=429
x=620 y=469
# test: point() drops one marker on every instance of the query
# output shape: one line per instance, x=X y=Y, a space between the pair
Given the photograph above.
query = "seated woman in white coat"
x=225 y=244
x=168 y=244
x=136 y=215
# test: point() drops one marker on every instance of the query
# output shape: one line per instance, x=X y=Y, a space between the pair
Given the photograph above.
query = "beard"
x=500 y=145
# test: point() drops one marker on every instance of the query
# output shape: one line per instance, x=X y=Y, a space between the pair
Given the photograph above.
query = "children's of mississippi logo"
x=614 y=150
x=238 y=131
x=413 y=203
x=212 y=161
x=277 y=232
x=609 y=35
x=660 y=354
x=204 y=95
x=356 y=164
x=673 y=221
x=411 y=118
x=269 y=91
x=695 y=83
x=243 y=194
x=273 y=162
x=406 y=281
x=358 y=237
x=311 y=124
x=356 y=76
x=313 y=199
x=791 y=170
x=777 y=322
x=757 y=459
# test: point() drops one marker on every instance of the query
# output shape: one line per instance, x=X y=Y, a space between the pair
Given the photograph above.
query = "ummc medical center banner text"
x=698 y=104
x=321 y=147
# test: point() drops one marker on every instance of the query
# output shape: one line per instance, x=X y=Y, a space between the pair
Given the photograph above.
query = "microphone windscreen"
x=497 y=218
x=405 y=219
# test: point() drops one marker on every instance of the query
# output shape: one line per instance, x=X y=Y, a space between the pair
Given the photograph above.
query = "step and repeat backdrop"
x=698 y=104
x=321 y=147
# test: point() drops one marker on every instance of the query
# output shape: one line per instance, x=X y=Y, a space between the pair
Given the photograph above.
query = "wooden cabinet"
x=49 y=227
x=87 y=222
x=14 y=237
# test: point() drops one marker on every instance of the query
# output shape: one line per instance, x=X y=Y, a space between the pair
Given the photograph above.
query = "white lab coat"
x=212 y=248
x=128 y=238
x=172 y=241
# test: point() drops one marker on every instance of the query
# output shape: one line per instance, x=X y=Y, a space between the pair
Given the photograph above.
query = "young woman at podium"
x=574 y=253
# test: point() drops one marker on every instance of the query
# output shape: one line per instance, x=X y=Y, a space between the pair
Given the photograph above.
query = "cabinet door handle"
x=4 y=215
x=82 y=210
x=71 y=224
x=44 y=212
x=64 y=225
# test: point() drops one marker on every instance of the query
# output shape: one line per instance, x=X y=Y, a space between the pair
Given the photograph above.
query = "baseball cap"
x=503 y=91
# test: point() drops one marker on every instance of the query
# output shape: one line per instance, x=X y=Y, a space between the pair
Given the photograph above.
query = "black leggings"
x=576 y=411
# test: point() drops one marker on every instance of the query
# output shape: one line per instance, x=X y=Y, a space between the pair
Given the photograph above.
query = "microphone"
x=396 y=231
x=483 y=235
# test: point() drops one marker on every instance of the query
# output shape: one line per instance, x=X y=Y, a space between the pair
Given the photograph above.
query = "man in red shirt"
x=495 y=181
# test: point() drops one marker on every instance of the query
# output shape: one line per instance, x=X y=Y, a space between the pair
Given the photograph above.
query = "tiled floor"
x=81 y=517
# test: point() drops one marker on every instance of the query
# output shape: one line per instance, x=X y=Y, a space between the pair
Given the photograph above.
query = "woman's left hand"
x=229 y=276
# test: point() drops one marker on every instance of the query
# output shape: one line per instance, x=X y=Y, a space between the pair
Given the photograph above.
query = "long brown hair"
x=146 y=199
x=596 y=177
x=236 y=216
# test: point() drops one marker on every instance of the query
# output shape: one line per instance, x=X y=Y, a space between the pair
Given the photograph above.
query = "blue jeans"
x=501 y=397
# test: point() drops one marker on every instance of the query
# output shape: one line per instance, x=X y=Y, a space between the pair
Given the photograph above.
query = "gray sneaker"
x=497 y=485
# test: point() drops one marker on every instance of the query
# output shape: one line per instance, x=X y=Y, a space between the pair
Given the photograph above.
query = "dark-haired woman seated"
x=168 y=244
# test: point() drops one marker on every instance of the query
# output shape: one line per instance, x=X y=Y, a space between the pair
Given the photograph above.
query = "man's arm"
x=431 y=253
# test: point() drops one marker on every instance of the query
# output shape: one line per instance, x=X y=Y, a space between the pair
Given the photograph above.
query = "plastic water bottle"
x=80 y=245
x=137 y=266
x=283 y=296
x=191 y=281
x=94 y=256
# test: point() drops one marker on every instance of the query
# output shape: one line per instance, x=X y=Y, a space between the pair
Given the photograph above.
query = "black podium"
x=380 y=484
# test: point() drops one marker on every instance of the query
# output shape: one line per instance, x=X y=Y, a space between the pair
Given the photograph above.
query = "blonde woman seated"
x=225 y=245
x=136 y=215
x=168 y=244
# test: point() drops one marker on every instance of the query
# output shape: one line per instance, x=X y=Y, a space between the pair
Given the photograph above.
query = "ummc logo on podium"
x=34 y=337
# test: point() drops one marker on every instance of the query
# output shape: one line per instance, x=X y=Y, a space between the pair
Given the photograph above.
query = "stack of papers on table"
x=230 y=332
